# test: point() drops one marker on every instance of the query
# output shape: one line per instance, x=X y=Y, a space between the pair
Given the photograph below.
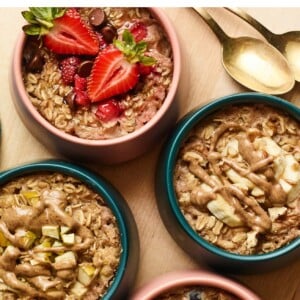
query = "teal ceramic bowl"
x=197 y=247
x=125 y=276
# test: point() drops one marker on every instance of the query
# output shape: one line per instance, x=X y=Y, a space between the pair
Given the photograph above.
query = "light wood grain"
x=203 y=79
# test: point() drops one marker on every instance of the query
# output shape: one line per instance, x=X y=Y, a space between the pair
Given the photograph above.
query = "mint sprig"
x=133 y=51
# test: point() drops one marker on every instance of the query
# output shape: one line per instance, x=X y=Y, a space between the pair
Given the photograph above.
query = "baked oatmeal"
x=196 y=293
x=58 y=239
x=237 y=179
x=102 y=78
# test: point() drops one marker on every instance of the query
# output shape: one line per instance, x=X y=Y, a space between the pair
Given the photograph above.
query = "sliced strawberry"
x=70 y=35
x=111 y=75
x=108 y=110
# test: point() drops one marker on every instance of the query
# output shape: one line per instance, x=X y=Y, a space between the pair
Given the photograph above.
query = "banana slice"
x=240 y=181
x=268 y=145
x=287 y=168
x=224 y=212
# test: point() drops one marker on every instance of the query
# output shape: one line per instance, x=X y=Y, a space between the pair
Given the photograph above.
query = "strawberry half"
x=64 y=31
x=111 y=75
x=115 y=70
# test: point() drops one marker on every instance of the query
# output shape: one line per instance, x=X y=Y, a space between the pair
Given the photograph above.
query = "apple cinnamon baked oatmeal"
x=196 y=293
x=58 y=239
x=237 y=179
x=97 y=73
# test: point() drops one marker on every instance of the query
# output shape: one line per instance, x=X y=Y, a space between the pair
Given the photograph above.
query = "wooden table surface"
x=203 y=79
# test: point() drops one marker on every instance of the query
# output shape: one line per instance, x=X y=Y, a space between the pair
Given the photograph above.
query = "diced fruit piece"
x=64 y=229
x=25 y=238
x=32 y=196
x=64 y=31
x=275 y=212
x=139 y=31
x=287 y=168
x=86 y=274
x=224 y=212
x=51 y=231
x=268 y=145
x=68 y=238
x=3 y=241
x=68 y=68
x=111 y=75
x=108 y=110
x=66 y=260
x=78 y=289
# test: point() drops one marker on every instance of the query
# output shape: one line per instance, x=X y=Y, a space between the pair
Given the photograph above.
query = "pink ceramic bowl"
x=179 y=279
x=109 y=151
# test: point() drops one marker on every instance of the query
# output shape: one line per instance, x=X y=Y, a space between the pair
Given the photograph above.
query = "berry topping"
x=115 y=69
x=139 y=31
x=82 y=98
x=68 y=68
x=144 y=70
x=108 y=110
x=79 y=83
x=64 y=31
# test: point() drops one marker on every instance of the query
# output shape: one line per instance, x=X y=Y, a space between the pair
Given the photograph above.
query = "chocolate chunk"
x=97 y=17
x=70 y=99
x=109 y=32
x=32 y=56
x=84 y=69
x=36 y=63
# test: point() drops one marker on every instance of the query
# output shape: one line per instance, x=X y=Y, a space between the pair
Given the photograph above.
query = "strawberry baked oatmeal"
x=96 y=73
x=196 y=293
x=58 y=239
x=237 y=179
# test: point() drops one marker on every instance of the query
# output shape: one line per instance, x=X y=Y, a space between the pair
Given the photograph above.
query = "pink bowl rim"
x=159 y=14
x=177 y=279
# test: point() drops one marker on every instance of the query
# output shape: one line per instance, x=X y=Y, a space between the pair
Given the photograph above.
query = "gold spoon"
x=252 y=62
x=287 y=43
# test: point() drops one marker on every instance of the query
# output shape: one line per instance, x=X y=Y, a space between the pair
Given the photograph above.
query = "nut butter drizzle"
x=258 y=218
x=49 y=210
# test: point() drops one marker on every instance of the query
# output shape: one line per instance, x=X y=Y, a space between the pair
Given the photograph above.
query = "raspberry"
x=139 y=31
x=108 y=110
x=68 y=68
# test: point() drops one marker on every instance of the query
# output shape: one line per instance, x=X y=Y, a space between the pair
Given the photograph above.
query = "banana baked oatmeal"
x=96 y=73
x=237 y=179
x=197 y=293
x=58 y=239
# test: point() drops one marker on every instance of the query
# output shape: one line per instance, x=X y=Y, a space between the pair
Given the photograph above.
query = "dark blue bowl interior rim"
x=95 y=182
x=172 y=149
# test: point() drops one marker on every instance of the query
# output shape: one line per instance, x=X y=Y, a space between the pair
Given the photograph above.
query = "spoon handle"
x=221 y=35
x=253 y=22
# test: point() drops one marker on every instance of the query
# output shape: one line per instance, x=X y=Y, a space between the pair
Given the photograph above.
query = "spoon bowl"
x=287 y=43
x=252 y=62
